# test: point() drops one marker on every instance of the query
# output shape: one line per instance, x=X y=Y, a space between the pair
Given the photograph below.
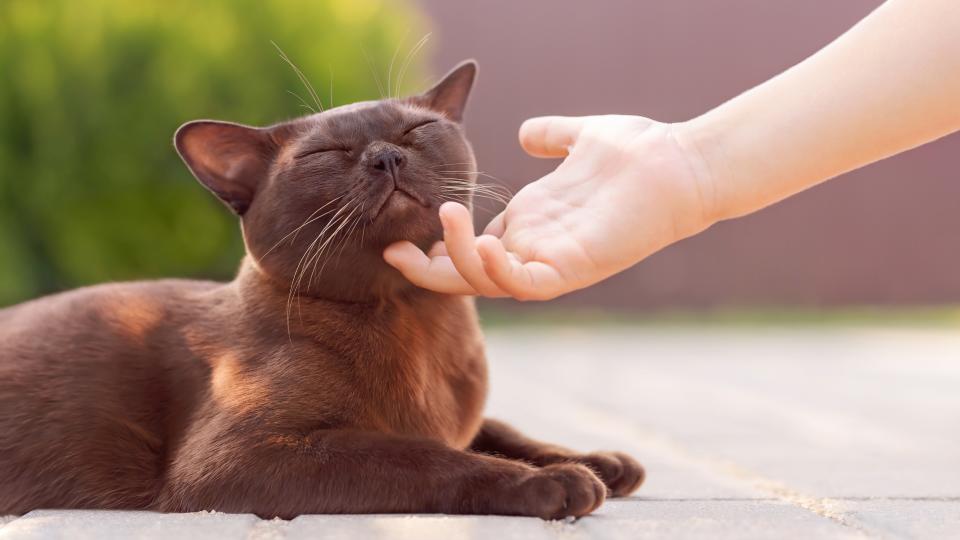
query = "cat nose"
x=389 y=159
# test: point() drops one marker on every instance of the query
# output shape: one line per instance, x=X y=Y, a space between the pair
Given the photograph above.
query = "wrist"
x=703 y=154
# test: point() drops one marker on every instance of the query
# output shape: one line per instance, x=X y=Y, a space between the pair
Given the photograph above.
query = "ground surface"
x=745 y=433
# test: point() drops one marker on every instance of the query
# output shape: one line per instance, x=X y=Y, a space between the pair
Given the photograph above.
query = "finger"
x=438 y=249
x=550 y=136
x=532 y=280
x=461 y=246
x=496 y=227
x=436 y=273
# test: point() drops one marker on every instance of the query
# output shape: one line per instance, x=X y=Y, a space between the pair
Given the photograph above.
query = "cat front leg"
x=342 y=471
x=620 y=472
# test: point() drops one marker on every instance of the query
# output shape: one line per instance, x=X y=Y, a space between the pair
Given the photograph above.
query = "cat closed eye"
x=313 y=151
x=418 y=126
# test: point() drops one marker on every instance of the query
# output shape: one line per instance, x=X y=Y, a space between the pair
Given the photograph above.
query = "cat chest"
x=436 y=397
x=440 y=399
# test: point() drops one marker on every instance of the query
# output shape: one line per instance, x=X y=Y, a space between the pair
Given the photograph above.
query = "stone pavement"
x=745 y=433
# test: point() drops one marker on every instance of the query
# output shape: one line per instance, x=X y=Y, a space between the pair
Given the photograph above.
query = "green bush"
x=92 y=91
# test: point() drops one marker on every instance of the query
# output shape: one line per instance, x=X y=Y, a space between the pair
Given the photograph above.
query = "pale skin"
x=629 y=186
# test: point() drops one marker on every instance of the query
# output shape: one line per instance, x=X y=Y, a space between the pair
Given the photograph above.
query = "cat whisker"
x=460 y=181
x=488 y=211
x=410 y=56
x=330 y=69
x=491 y=194
x=373 y=71
x=478 y=173
x=300 y=75
x=329 y=240
x=471 y=182
x=343 y=223
x=451 y=171
x=481 y=187
x=305 y=256
x=334 y=222
x=463 y=183
x=310 y=219
x=459 y=197
x=342 y=243
x=303 y=103
x=481 y=194
x=300 y=270
x=350 y=230
x=491 y=188
x=292 y=290
x=363 y=234
x=392 y=61
x=477 y=195
x=347 y=226
x=464 y=165
x=328 y=203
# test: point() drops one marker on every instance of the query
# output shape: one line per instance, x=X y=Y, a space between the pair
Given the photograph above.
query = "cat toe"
x=620 y=473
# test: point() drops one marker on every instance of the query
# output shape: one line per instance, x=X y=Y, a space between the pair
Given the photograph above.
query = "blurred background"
x=91 y=93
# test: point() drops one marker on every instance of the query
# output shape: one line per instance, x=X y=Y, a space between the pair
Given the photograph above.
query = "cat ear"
x=449 y=96
x=231 y=160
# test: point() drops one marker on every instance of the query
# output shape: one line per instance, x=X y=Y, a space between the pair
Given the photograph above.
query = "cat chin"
x=401 y=206
x=398 y=204
x=415 y=224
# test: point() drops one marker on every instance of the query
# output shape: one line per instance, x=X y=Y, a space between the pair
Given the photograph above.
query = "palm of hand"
x=627 y=189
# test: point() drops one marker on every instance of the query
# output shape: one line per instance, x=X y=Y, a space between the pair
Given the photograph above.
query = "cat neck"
x=271 y=301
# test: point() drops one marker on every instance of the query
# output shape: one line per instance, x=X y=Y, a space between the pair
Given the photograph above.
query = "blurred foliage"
x=92 y=91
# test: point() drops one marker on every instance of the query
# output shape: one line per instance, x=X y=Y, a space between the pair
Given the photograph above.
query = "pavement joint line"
x=824 y=507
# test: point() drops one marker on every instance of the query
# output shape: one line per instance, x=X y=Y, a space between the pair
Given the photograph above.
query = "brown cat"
x=318 y=381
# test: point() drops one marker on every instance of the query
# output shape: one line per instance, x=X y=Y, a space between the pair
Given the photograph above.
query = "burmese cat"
x=318 y=381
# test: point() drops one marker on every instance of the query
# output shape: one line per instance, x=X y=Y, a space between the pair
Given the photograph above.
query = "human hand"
x=628 y=186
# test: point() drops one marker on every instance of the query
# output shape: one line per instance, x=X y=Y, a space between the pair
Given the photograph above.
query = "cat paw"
x=563 y=490
x=621 y=473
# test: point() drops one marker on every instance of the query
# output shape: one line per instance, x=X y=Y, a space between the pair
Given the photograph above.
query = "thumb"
x=550 y=136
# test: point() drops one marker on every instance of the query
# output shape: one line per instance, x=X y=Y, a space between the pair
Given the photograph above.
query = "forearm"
x=890 y=83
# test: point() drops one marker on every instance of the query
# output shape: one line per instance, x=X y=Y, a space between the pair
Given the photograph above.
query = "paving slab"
x=908 y=518
x=625 y=519
x=115 y=525
x=745 y=433
x=825 y=410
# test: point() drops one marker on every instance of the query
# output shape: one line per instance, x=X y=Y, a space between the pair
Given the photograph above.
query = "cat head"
x=320 y=197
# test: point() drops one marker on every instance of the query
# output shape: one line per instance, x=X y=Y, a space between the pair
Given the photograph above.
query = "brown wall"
x=884 y=234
